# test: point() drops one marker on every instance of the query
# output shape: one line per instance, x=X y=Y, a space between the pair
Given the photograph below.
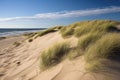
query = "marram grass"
x=108 y=47
x=95 y=25
x=80 y=28
x=97 y=40
x=89 y=39
x=54 y=54
x=67 y=32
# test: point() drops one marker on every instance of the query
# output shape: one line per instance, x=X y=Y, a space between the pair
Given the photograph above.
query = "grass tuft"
x=17 y=43
x=74 y=53
x=54 y=54
x=94 y=66
x=67 y=31
x=29 y=35
x=44 y=32
x=30 y=40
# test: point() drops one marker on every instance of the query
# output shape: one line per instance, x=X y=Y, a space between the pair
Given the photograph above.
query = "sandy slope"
x=22 y=63
x=5 y=43
x=27 y=55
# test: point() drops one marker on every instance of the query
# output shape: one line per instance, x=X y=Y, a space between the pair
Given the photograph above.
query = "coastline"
x=17 y=31
x=10 y=37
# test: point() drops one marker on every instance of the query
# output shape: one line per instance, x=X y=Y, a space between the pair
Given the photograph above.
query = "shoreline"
x=7 y=34
x=18 y=31
x=8 y=41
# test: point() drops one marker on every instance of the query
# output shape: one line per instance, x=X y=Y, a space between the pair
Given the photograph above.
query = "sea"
x=17 y=31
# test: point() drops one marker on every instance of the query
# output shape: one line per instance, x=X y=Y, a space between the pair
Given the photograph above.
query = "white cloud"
x=65 y=14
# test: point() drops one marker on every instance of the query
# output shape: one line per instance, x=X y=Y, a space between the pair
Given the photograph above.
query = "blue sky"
x=48 y=13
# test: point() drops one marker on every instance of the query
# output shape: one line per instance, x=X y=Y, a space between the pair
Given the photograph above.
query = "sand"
x=8 y=41
x=23 y=62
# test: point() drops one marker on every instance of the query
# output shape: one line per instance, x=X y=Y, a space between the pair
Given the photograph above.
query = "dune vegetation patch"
x=66 y=32
x=108 y=47
x=34 y=35
x=83 y=44
x=17 y=43
x=89 y=39
x=49 y=30
x=80 y=28
x=30 y=35
x=43 y=32
x=97 y=40
x=95 y=25
x=74 y=53
x=54 y=54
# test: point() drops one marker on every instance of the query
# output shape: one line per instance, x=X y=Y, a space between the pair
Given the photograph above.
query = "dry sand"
x=23 y=62
x=8 y=41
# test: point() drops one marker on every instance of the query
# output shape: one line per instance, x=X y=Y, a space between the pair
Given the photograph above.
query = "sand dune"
x=23 y=62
